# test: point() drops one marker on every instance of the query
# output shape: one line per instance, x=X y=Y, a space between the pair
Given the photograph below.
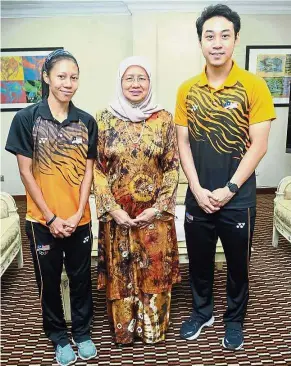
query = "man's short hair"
x=218 y=10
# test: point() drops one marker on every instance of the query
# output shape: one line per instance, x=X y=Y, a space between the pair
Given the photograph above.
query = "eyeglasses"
x=140 y=80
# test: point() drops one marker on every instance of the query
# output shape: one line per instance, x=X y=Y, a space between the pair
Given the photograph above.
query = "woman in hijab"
x=135 y=183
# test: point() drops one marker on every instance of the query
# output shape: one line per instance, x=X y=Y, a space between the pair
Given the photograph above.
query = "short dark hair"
x=49 y=63
x=219 y=10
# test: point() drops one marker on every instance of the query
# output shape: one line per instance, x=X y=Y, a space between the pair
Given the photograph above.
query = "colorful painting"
x=21 y=77
x=273 y=64
x=12 y=92
x=276 y=86
x=288 y=65
x=288 y=139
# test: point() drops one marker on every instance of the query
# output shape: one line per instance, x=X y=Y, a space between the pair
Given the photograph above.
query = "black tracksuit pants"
x=49 y=255
x=235 y=229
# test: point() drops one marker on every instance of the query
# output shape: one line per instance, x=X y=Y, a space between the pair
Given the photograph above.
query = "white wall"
x=168 y=39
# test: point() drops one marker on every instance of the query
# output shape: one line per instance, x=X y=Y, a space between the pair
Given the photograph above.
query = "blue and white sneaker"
x=233 y=339
x=65 y=355
x=192 y=327
x=86 y=349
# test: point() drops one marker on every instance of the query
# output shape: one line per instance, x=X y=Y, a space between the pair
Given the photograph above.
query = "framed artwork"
x=288 y=139
x=21 y=76
x=272 y=63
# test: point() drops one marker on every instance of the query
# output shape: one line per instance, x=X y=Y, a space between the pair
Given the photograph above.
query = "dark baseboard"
x=20 y=197
x=267 y=190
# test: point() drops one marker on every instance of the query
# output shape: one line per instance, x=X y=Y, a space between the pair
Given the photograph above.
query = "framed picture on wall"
x=21 y=76
x=272 y=63
x=288 y=139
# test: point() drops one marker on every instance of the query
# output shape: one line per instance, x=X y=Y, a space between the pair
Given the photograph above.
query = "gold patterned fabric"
x=133 y=176
x=145 y=316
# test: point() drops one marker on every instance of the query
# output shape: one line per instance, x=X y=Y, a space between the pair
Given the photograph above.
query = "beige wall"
x=99 y=43
x=168 y=39
x=269 y=30
x=173 y=44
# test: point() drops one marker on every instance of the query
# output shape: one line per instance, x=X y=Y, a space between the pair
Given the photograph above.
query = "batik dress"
x=137 y=266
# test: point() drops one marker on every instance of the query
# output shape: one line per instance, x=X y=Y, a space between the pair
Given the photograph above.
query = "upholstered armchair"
x=282 y=211
x=11 y=246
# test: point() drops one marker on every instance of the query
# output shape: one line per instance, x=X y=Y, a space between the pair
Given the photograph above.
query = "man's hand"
x=206 y=200
x=222 y=196
x=145 y=218
x=122 y=218
x=58 y=228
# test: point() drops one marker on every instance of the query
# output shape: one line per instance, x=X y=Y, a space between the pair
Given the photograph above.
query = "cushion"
x=3 y=209
x=283 y=211
x=9 y=231
x=182 y=177
x=179 y=221
x=288 y=192
x=181 y=193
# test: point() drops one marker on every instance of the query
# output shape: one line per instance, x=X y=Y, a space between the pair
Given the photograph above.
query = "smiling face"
x=135 y=84
x=63 y=80
x=218 y=41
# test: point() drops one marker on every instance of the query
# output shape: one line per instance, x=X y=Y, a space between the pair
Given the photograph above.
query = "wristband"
x=48 y=223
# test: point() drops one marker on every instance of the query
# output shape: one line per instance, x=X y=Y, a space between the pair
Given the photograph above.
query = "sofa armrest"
x=12 y=208
x=282 y=187
x=283 y=184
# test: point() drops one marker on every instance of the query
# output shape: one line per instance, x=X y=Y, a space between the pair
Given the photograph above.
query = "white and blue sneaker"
x=192 y=327
x=86 y=349
x=233 y=339
x=65 y=356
